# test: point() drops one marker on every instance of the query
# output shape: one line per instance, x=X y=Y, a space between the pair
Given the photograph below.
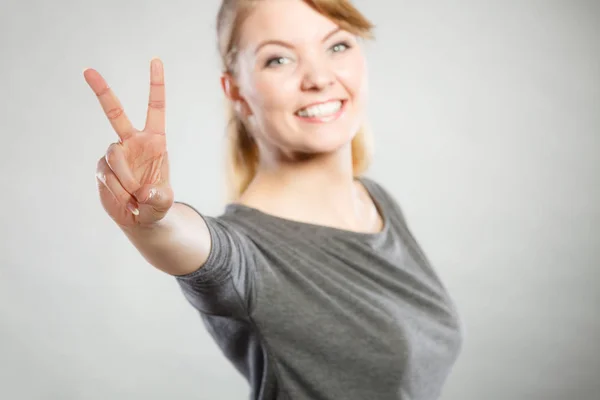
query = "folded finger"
x=107 y=178
x=117 y=162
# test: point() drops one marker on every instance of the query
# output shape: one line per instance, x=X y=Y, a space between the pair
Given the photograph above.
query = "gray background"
x=487 y=124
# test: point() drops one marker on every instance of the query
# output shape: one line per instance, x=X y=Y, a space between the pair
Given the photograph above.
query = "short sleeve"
x=224 y=285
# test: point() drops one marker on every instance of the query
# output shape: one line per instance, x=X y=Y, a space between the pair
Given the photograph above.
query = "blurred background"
x=487 y=130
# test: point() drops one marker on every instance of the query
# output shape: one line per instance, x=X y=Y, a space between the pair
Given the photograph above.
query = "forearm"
x=178 y=244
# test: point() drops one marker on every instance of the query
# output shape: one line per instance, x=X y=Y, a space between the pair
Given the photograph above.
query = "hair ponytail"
x=242 y=155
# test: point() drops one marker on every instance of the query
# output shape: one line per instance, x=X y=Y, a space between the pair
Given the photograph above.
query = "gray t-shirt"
x=305 y=311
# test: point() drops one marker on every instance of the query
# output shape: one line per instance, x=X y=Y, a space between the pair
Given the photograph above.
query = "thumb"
x=158 y=197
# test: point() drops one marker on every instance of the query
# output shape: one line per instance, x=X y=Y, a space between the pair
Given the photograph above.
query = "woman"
x=310 y=281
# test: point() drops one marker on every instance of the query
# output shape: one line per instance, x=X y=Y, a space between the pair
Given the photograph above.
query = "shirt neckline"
x=371 y=191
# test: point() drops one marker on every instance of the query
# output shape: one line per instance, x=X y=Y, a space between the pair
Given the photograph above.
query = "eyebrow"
x=288 y=45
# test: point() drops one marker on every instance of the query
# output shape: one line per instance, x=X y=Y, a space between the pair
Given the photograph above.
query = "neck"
x=315 y=170
x=325 y=182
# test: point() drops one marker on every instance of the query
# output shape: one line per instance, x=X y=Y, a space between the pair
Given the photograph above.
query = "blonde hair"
x=242 y=151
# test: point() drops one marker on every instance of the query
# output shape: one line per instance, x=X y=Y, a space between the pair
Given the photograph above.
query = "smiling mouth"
x=322 y=110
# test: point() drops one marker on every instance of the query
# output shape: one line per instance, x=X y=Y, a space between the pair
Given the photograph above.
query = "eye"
x=275 y=61
x=340 y=47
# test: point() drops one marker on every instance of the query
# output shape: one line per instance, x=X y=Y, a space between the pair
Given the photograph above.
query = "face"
x=300 y=79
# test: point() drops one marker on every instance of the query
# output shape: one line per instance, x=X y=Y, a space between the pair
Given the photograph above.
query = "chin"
x=327 y=141
x=317 y=138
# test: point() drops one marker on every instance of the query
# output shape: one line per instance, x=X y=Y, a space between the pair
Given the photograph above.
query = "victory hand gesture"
x=133 y=175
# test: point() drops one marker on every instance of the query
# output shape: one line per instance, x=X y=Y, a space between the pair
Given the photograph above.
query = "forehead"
x=287 y=20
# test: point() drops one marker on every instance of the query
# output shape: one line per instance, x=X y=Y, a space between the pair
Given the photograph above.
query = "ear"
x=232 y=92
x=229 y=87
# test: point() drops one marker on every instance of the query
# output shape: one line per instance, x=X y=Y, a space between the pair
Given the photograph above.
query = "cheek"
x=272 y=98
x=353 y=76
x=274 y=91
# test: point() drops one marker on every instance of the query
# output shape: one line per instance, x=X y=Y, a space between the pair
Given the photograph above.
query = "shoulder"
x=385 y=199
x=378 y=191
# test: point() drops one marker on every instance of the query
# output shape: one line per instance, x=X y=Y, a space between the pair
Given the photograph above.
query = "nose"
x=317 y=75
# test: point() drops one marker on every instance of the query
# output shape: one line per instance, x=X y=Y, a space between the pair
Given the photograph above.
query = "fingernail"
x=101 y=177
x=133 y=209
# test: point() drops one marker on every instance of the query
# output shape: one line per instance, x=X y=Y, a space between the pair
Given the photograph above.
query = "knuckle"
x=103 y=92
x=112 y=154
x=114 y=113
x=157 y=105
x=101 y=164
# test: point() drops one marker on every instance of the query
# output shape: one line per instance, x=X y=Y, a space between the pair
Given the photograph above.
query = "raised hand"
x=133 y=175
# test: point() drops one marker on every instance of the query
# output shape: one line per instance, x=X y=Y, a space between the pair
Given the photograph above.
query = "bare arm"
x=178 y=244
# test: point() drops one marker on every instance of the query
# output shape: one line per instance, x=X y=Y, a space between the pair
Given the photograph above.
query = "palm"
x=145 y=154
x=134 y=173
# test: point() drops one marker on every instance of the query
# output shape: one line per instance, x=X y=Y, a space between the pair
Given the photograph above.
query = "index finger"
x=110 y=104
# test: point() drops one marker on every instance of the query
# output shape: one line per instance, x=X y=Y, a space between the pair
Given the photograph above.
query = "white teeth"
x=321 y=110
